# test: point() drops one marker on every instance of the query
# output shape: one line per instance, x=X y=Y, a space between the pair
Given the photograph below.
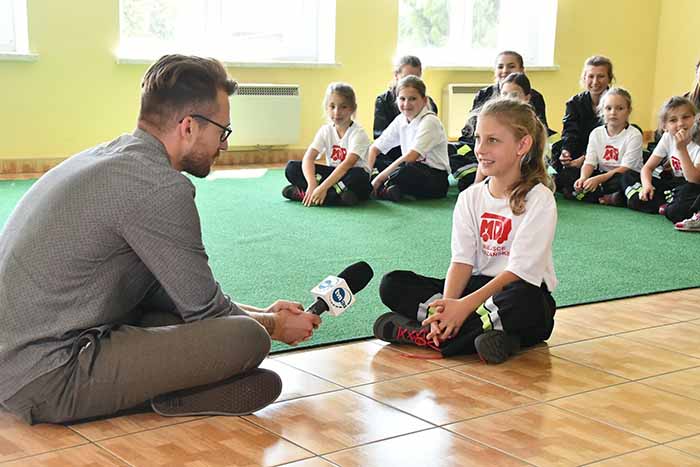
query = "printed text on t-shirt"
x=338 y=153
x=611 y=153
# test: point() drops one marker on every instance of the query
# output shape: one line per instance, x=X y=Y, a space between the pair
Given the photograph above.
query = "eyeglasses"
x=225 y=130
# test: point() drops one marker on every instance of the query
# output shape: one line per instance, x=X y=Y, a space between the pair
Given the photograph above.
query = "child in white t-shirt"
x=613 y=149
x=422 y=169
x=670 y=180
x=344 y=179
x=497 y=293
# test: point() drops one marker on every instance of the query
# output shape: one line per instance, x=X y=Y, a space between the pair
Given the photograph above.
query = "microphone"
x=336 y=294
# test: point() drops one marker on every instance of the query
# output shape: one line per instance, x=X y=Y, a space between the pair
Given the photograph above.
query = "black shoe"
x=239 y=395
x=396 y=328
x=496 y=346
x=348 y=198
x=390 y=193
x=293 y=193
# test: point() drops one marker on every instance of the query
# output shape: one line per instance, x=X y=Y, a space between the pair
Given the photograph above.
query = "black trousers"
x=355 y=180
x=419 y=180
x=613 y=185
x=663 y=188
x=463 y=166
x=683 y=202
x=520 y=309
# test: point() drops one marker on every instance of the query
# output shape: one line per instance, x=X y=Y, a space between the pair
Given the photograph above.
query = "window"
x=231 y=30
x=13 y=26
x=470 y=33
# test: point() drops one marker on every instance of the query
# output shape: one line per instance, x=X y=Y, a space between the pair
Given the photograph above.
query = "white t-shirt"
x=489 y=237
x=424 y=134
x=610 y=152
x=667 y=148
x=354 y=141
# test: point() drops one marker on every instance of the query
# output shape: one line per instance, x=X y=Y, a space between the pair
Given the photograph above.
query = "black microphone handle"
x=317 y=307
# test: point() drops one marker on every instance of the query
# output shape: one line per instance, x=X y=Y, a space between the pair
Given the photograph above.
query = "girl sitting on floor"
x=613 y=149
x=345 y=178
x=422 y=169
x=497 y=293
x=669 y=181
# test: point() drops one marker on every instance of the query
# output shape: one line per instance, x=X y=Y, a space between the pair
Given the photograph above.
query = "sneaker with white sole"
x=239 y=395
x=399 y=329
x=689 y=225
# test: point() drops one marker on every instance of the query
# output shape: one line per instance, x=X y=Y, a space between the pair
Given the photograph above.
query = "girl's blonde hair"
x=673 y=103
x=521 y=120
x=622 y=92
x=345 y=91
x=411 y=81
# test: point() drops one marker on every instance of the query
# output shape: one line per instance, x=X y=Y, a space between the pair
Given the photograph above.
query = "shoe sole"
x=492 y=347
x=686 y=229
x=239 y=395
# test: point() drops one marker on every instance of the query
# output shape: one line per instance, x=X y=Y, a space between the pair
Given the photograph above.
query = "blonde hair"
x=345 y=91
x=521 y=120
x=673 y=103
x=622 y=92
x=411 y=81
x=694 y=95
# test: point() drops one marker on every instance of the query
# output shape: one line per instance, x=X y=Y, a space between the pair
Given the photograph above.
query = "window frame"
x=455 y=57
x=326 y=10
x=18 y=48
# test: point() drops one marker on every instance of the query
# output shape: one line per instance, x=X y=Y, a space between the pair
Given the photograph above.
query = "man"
x=107 y=301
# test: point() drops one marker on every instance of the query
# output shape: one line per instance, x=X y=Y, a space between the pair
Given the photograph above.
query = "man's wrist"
x=267 y=320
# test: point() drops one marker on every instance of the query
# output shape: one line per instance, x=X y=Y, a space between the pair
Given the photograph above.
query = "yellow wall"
x=76 y=95
x=678 y=50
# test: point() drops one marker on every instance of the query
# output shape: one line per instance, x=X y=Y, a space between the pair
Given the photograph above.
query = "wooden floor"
x=617 y=384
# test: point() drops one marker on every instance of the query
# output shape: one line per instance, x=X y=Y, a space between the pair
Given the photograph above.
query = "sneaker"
x=690 y=225
x=348 y=198
x=613 y=199
x=398 y=329
x=662 y=209
x=496 y=346
x=390 y=193
x=239 y=395
x=293 y=193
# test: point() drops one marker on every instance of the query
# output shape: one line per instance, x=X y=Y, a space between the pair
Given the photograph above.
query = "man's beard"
x=197 y=165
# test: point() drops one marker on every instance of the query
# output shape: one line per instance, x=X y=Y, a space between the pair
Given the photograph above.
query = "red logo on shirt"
x=495 y=227
x=676 y=164
x=611 y=153
x=338 y=153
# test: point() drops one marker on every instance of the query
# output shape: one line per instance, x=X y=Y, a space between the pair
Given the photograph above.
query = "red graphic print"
x=676 y=164
x=611 y=153
x=338 y=153
x=495 y=227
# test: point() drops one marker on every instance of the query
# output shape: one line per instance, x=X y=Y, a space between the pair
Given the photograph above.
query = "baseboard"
x=228 y=158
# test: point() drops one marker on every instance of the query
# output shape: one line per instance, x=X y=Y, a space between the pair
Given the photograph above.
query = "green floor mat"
x=263 y=247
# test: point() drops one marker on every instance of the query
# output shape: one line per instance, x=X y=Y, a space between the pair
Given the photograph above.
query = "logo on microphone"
x=339 y=297
x=328 y=283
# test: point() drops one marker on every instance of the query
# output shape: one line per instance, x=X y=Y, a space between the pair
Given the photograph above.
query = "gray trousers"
x=128 y=366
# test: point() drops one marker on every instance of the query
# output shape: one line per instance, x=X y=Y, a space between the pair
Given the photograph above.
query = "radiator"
x=457 y=100
x=265 y=115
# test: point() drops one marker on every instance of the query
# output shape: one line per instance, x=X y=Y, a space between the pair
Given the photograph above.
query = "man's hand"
x=282 y=305
x=293 y=325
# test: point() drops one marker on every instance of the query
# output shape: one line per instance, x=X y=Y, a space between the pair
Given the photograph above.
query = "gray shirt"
x=84 y=245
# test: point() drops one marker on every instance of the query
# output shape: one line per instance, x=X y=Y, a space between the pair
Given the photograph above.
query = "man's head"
x=184 y=102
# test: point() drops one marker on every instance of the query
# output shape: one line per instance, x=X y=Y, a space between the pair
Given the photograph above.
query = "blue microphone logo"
x=339 y=297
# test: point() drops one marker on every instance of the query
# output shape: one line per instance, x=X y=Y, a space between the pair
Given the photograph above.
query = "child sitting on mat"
x=345 y=178
x=497 y=293
x=423 y=167
x=613 y=149
x=670 y=180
